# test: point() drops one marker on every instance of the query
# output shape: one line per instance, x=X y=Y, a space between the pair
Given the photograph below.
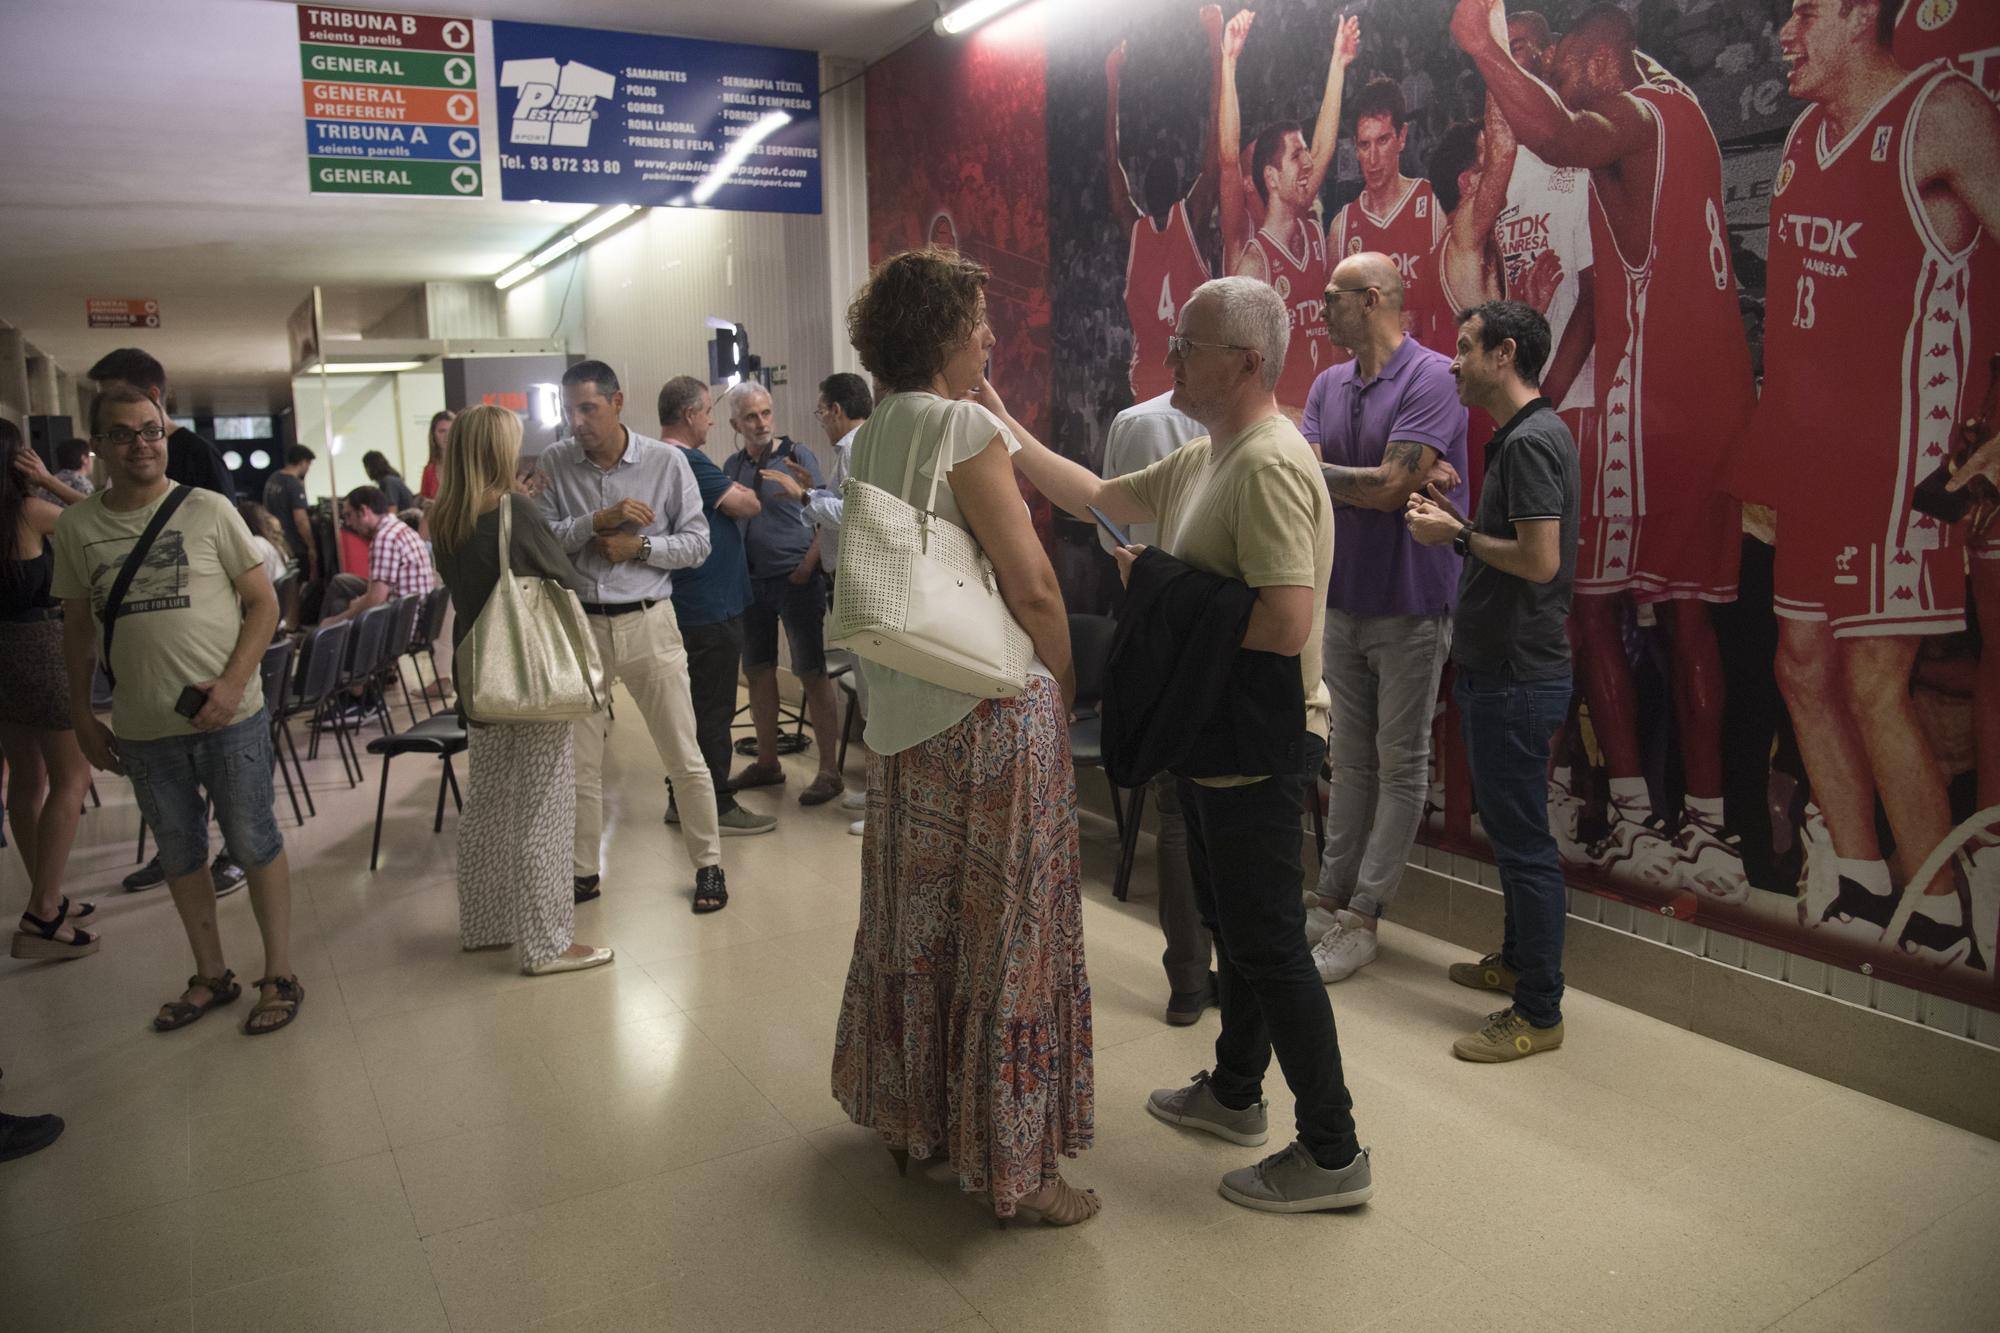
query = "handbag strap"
x=115 y=601
x=937 y=455
x=506 y=536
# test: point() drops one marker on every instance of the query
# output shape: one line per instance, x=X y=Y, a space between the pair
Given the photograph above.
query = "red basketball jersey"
x=1162 y=269
x=1673 y=366
x=1300 y=276
x=1408 y=235
x=1866 y=341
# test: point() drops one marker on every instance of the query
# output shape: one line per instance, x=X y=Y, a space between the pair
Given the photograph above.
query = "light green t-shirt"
x=1258 y=512
x=180 y=619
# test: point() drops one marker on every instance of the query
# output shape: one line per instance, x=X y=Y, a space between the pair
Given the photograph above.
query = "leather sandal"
x=290 y=996
x=1069 y=1207
x=179 y=1013
x=35 y=939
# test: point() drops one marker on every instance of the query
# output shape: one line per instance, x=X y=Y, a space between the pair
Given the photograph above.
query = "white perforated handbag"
x=916 y=594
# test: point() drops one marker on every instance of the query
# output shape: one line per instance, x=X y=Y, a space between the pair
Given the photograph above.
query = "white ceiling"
x=155 y=148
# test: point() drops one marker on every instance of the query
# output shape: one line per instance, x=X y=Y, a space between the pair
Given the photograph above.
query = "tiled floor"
x=442 y=1143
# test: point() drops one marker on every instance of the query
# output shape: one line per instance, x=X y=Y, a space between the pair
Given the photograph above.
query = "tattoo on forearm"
x=1404 y=454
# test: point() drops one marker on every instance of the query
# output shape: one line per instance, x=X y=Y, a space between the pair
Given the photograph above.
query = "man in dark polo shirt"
x=709 y=600
x=787 y=587
x=1512 y=656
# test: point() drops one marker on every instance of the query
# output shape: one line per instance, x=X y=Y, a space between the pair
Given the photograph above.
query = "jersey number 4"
x=1167 y=310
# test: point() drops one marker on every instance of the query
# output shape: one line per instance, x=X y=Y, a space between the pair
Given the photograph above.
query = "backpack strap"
x=115 y=603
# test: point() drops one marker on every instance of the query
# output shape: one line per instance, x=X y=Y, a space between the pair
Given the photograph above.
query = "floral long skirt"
x=965 y=1026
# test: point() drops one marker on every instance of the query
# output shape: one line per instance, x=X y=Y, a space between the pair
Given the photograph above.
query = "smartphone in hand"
x=1110 y=528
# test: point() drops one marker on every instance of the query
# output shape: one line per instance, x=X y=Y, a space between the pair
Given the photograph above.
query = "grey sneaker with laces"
x=1292 y=1182
x=1196 y=1107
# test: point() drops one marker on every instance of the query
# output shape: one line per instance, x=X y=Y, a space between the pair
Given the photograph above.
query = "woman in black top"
x=47 y=776
x=514 y=874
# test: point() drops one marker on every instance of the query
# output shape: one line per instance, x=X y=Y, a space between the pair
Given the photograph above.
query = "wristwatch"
x=645 y=550
x=1461 y=541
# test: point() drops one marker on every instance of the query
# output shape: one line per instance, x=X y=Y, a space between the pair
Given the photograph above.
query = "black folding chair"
x=402 y=629
x=319 y=689
x=443 y=736
x=277 y=674
x=423 y=641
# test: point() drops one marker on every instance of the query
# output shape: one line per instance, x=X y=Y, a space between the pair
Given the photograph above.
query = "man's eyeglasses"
x=1178 y=346
x=1332 y=292
x=123 y=437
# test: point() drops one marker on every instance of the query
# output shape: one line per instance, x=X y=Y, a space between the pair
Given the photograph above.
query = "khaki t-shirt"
x=180 y=619
x=1258 y=513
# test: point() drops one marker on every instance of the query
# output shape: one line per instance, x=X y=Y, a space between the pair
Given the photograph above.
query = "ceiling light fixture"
x=759 y=130
x=573 y=238
x=961 y=19
x=370 y=367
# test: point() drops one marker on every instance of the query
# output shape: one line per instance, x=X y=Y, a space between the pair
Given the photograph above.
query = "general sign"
x=630 y=118
x=391 y=102
x=121 y=312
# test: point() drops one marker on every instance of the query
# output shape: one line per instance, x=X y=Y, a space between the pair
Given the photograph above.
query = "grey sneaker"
x=1196 y=1108
x=1292 y=1182
x=741 y=823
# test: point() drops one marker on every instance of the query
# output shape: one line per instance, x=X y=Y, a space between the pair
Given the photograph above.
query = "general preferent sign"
x=122 y=312
x=628 y=118
x=392 y=102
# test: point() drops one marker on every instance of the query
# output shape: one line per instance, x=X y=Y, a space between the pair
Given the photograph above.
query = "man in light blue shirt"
x=628 y=512
x=1141 y=436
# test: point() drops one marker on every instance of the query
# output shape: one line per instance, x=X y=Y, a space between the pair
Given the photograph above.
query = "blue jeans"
x=1508 y=725
x=176 y=777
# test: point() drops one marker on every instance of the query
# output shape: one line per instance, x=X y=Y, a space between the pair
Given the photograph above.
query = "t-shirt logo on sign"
x=1423 y=206
x=1784 y=177
x=1883 y=134
x=558 y=101
x=1354 y=245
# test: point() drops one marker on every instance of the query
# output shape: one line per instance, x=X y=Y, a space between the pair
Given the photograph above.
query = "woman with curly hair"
x=965 y=1025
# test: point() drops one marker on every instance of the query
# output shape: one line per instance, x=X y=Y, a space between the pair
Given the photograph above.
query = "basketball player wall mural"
x=1764 y=234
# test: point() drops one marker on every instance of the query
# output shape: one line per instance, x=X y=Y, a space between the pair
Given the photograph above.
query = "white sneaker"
x=858 y=827
x=1710 y=866
x=1344 y=950
x=854 y=800
x=1318 y=920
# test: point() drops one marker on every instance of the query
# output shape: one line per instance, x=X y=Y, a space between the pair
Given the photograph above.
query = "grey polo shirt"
x=777 y=539
x=1506 y=624
x=649 y=471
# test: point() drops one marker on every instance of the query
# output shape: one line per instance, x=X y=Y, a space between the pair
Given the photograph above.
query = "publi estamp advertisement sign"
x=630 y=118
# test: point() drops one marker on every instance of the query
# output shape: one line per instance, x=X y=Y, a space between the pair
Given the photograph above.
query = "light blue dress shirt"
x=649 y=471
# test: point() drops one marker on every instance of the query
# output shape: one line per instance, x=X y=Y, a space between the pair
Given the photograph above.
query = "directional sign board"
x=122 y=312
x=632 y=118
x=391 y=101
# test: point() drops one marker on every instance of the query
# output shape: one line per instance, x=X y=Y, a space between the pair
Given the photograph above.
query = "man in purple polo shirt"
x=1386 y=424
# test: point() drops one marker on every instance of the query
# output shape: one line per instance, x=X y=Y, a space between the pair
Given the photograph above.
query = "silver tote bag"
x=916 y=594
x=530 y=656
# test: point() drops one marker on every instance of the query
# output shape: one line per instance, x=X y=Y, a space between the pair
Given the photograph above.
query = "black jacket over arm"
x=1181 y=692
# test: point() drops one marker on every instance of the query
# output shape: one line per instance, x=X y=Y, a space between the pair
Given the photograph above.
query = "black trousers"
x=715 y=652
x=1244 y=852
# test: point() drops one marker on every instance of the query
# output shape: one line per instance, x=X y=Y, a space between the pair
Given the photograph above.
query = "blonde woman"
x=520 y=806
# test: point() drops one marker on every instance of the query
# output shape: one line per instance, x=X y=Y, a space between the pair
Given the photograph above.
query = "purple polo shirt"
x=1378 y=569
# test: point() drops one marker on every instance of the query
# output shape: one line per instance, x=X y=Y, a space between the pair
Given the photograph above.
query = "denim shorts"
x=176 y=777
x=801 y=608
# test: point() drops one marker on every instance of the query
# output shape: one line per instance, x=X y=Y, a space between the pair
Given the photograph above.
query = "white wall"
x=387 y=412
x=639 y=298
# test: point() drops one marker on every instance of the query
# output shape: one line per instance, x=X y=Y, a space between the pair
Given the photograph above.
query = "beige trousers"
x=643 y=649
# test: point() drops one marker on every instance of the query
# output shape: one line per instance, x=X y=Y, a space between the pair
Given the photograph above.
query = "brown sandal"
x=290 y=996
x=1069 y=1207
x=179 y=1013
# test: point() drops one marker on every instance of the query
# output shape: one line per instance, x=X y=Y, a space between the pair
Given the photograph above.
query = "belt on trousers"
x=619 y=608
